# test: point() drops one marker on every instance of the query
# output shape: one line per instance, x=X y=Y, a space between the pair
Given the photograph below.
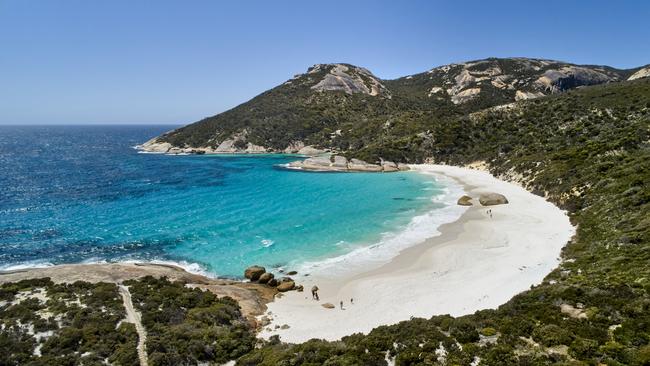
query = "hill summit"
x=346 y=109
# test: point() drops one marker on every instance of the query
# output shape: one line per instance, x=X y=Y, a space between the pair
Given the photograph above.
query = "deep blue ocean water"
x=82 y=194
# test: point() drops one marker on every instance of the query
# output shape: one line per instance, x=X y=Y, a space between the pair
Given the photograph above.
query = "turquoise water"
x=83 y=194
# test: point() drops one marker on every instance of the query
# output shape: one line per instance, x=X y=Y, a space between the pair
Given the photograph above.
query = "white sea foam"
x=190 y=267
x=419 y=229
x=150 y=152
x=267 y=243
x=26 y=265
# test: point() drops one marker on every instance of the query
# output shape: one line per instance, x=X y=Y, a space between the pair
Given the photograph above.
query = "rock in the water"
x=491 y=199
x=272 y=282
x=389 y=166
x=292 y=273
x=403 y=167
x=286 y=279
x=265 y=277
x=362 y=166
x=286 y=286
x=299 y=288
x=154 y=145
x=253 y=273
x=465 y=201
x=328 y=305
x=318 y=163
x=340 y=162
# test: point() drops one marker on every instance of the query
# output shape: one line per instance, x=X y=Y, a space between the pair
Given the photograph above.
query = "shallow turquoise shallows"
x=75 y=194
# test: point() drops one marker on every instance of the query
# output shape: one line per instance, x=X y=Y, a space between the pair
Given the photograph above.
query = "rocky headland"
x=251 y=296
x=339 y=163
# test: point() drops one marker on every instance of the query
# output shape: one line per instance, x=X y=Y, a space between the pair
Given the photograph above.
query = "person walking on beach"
x=351 y=301
x=341 y=304
x=314 y=293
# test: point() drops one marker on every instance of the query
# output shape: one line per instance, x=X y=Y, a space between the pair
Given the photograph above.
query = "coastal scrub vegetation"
x=187 y=326
x=43 y=323
x=586 y=150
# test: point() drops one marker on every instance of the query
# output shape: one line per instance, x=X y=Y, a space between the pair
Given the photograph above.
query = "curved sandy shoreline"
x=477 y=262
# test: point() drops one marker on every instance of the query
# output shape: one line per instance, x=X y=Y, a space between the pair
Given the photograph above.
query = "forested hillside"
x=345 y=108
x=588 y=150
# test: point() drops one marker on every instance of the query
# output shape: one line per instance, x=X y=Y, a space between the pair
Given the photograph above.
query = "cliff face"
x=345 y=108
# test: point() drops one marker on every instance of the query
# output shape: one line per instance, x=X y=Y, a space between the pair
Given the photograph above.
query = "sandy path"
x=477 y=262
x=133 y=316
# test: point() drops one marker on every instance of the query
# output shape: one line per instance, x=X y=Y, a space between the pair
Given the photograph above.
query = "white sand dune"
x=477 y=262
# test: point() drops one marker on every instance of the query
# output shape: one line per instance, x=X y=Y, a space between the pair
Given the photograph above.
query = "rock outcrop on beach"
x=285 y=286
x=259 y=275
x=265 y=277
x=492 y=199
x=465 y=201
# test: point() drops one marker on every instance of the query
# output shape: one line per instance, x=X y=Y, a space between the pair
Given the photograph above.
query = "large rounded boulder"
x=265 y=277
x=492 y=199
x=272 y=282
x=465 y=201
x=285 y=286
x=253 y=273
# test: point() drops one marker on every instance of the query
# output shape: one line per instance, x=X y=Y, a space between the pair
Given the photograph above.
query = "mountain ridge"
x=344 y=108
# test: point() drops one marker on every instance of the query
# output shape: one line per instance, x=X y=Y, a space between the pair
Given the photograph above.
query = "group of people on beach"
x=314 y=296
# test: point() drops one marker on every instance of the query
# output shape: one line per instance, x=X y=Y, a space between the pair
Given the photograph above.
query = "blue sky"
x=174 y=62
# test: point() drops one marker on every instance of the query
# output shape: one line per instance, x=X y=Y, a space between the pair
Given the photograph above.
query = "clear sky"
x=138 y=61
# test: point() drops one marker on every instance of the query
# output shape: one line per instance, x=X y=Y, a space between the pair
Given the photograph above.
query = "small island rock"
x=328 y=305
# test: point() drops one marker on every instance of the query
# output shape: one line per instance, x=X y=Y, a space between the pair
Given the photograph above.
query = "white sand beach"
x=477 y=262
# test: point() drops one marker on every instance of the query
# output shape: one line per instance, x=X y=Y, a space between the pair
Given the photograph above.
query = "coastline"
x=477 y=262
x=474 y=262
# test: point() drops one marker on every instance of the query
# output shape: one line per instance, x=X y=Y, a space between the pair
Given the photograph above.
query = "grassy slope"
x=589 y=151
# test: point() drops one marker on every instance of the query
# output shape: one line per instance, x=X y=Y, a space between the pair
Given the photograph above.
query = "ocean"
x=83 y=194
